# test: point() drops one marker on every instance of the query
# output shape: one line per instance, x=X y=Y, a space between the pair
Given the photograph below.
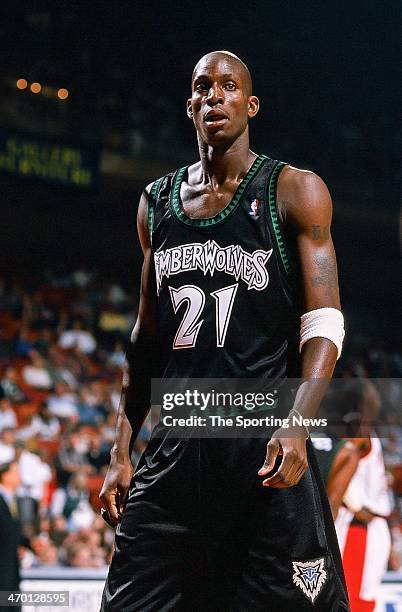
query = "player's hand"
x=364 y=516
x=114 y=490
x=294 y=460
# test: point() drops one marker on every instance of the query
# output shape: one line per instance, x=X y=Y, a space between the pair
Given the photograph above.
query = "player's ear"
x=253 y=106
x=189 y=109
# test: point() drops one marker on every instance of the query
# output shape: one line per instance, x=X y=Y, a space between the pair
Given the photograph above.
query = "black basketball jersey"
x=226 y=296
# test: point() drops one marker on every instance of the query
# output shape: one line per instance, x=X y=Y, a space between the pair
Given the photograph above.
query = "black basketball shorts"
x=200 y=532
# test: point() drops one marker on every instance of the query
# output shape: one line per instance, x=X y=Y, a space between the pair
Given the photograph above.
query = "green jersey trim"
x=151 y=206
x=273 y=211
x=223 y=214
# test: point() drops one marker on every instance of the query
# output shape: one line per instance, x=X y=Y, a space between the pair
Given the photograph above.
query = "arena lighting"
x=22 y=84
x=36 y=88
x=63 y=94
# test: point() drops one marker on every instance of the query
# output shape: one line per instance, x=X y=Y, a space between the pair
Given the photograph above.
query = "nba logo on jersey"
x=310 y=577
x=254 y=209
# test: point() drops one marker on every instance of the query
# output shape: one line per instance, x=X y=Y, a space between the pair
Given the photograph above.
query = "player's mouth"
x=215 y=118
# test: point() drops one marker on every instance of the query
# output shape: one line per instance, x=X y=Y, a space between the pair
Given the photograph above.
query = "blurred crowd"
x=62 y=345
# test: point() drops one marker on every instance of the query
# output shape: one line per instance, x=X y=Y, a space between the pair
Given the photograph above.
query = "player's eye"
x=201 y=87
x=230 y=86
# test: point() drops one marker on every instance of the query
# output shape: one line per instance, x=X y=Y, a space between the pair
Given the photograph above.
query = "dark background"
x=328 y=76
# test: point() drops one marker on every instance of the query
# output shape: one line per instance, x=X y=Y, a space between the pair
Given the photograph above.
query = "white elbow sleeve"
x=323 y=323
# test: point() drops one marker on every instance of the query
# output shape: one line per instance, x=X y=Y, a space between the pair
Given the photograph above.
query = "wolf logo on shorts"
x=310 y=576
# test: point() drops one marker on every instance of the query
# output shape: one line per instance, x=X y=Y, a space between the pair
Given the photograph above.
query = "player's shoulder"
x=301 y=182
x=150 y=194
x=152 y=188
x=303 y=197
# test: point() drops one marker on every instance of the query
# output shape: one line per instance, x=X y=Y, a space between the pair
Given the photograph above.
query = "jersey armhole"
x=273 y=212
x=151 y=206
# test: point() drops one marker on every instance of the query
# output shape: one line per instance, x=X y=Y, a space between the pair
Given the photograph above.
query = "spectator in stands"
x=91 y=542
x=108 y=429
x=63 y=403
x=35 y=475
x=88 y=414
x=70 y=458
x=9 y=527
x=98 y=454
x=36 y=374
x=393 y=450
x=114 y=395
x=58 y=529
x=10 y=386
x=81 y=306
x=59 y=370
x=79 y=337
x=117 y=356
x=45 y=551
x=41 y=425
x=92 y=405
x=7 y=443
x=44 y=341
x=26 y=557
x=23 y=345
x=73 y=503
x=78 y=556
x=7 y=414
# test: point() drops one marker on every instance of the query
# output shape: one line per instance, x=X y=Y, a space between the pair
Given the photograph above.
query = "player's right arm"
x=135 y=394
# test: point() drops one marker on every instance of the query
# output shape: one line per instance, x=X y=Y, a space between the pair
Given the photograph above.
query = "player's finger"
x=108 y=501
x=273 y=448
x=285 y=475
x=301 y=471
x=107 y=519
x=122 y=497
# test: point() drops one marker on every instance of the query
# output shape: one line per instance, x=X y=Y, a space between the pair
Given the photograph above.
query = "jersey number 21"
x=194 y=298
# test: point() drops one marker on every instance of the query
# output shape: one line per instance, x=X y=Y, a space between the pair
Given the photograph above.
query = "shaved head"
x=231 y=58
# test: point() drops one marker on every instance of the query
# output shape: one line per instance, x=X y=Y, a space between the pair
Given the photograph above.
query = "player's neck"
x=220 y=164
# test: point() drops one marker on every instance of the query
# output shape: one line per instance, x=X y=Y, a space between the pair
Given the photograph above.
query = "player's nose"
x=215 y=94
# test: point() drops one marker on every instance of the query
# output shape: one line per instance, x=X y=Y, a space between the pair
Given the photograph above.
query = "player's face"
x=220 y=105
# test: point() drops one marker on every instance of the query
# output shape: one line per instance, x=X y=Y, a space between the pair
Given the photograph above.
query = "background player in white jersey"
x=357 y=486
x=361 y=525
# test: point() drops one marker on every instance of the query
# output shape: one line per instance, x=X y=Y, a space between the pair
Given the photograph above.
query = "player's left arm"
x=305 y=206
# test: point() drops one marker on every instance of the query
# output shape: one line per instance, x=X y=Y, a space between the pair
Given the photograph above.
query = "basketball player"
x=227 y=524
x=338 y=454
x=361 y=522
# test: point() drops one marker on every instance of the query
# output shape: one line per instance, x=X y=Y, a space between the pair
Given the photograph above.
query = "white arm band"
x=323 y=323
